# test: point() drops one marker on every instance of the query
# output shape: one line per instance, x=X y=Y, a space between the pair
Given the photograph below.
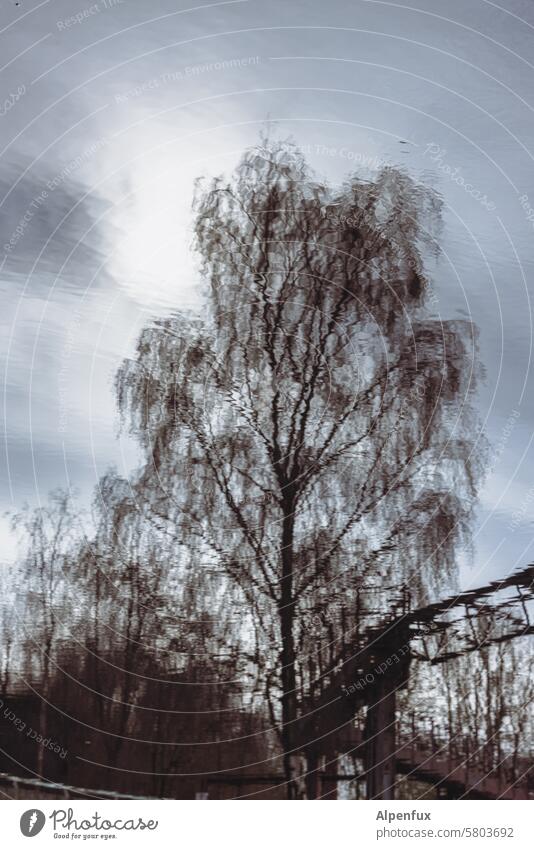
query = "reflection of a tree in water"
x=309 y=430
x=288 y=400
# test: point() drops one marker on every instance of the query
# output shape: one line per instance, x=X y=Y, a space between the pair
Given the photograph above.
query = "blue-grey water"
x=108 y=113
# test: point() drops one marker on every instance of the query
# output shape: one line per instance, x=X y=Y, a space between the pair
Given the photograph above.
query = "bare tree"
x=477 y=708
x=49 y=538
x=312 y=429
x=9 y=630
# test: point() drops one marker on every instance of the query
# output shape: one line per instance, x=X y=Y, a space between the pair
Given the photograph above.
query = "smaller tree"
x=48 y=535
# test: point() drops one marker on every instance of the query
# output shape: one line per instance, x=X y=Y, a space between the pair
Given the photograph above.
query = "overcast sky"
x=108 y=113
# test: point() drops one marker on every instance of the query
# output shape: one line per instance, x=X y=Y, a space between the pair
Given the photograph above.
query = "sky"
x=109 y=112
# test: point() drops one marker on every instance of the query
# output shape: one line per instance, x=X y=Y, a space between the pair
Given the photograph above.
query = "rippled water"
x=117 y=115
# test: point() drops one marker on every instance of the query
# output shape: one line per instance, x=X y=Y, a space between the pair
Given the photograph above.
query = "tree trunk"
x=287 y=656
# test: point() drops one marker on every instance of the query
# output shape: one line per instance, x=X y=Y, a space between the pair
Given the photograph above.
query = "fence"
x=13 y=787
